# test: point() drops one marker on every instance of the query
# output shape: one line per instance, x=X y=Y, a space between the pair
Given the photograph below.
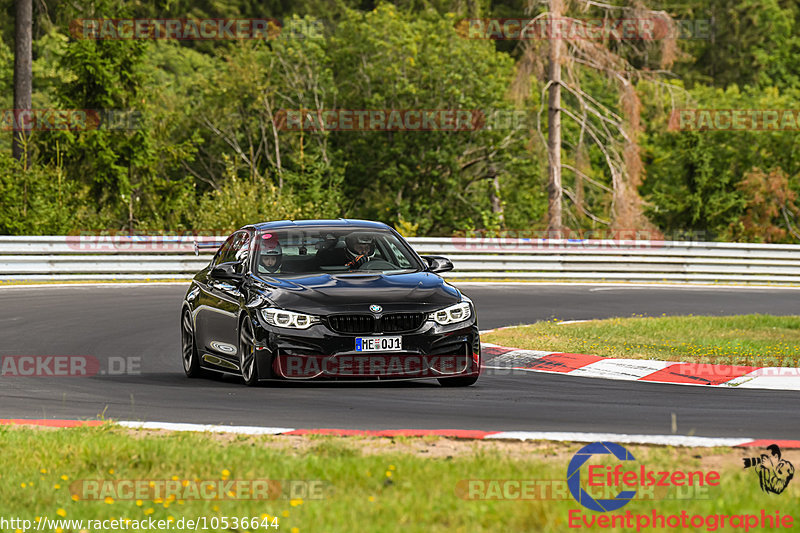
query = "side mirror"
x=437 y=263
x=227 y=271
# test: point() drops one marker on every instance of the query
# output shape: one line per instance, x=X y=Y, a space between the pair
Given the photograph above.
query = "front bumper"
x=432 y=351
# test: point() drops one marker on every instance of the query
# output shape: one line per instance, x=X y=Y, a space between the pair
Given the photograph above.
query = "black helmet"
x=270 y=247
x=360 y=239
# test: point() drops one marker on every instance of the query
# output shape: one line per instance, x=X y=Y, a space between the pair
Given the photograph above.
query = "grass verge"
x=757 y=340
x=371 y=485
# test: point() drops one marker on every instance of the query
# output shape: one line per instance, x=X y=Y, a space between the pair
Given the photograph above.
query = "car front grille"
x=366 y=324
x=352 y=323
x=399 y=322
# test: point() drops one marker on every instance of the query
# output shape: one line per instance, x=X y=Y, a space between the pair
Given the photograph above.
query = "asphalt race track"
x=113 y=322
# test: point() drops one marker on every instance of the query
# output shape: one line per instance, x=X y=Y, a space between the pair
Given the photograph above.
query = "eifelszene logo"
x=574 y=477
x=600 y=490
x=774 y=472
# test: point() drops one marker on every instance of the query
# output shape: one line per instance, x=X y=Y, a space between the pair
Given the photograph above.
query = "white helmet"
x=270 y=248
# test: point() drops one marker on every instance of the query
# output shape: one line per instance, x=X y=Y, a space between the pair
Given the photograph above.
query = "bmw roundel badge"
x=375 y=308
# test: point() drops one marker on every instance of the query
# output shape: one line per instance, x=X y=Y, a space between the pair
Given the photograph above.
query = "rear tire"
x=191 y=362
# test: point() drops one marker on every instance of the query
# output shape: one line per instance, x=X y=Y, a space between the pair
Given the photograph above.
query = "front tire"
x=191 y=362
x=248 y=362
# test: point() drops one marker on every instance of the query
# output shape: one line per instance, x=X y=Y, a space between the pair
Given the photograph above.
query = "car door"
x=220 y=312
x=206 y=301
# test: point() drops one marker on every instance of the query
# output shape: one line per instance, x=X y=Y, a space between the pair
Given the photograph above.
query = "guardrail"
x=166 y=257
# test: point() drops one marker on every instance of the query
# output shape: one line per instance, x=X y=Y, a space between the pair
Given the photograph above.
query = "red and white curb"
x=593 y=366
x=661 y=440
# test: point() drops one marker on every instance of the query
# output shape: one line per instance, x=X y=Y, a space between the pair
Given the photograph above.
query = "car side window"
x=399 y=259
x=238 y=249
x=235 y=249
x=242 y=248
x=223 y=250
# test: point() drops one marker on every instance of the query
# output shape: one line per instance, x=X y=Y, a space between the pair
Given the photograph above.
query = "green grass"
x=758 y=340
x=370 y=490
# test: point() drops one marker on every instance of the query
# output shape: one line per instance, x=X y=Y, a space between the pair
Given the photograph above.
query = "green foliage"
x=49 y=73
x=6 y=89
x=246 y=201
x=132 y=173
x=37 y=201
x=691 y=189
x=406 y=228
x=206 y=152
x=753 y=42
x=6 y=73
x=694 y=178
x=387 y=60
x=241 y=202
x=102 y=76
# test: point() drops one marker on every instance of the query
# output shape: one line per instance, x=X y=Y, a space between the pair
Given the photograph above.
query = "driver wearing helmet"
x=360 y=249
x=271 y=254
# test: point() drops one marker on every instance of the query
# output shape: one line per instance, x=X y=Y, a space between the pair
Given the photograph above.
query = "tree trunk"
x=23 y=76
x=130 y=200
x=583 y=165
x=494 y=196
x=554 y=190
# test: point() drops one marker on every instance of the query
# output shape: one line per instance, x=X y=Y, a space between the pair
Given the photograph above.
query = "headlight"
x=451 y=315
x=288 y=319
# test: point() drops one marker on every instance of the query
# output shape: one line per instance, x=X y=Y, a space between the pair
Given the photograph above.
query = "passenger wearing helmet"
x=271 y=254
x=360 y=248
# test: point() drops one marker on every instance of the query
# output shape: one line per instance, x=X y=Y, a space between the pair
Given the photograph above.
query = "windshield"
x=325 y=250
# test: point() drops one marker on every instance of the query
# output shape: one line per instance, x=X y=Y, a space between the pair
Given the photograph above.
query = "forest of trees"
x=201 y=148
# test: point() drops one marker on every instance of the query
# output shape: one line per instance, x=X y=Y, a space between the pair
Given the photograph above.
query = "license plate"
x=379 y=344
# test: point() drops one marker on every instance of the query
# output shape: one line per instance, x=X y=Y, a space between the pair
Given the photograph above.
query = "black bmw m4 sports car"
x=327 y=299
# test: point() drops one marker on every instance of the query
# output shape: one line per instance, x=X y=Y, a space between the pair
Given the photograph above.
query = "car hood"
x=355 y=292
